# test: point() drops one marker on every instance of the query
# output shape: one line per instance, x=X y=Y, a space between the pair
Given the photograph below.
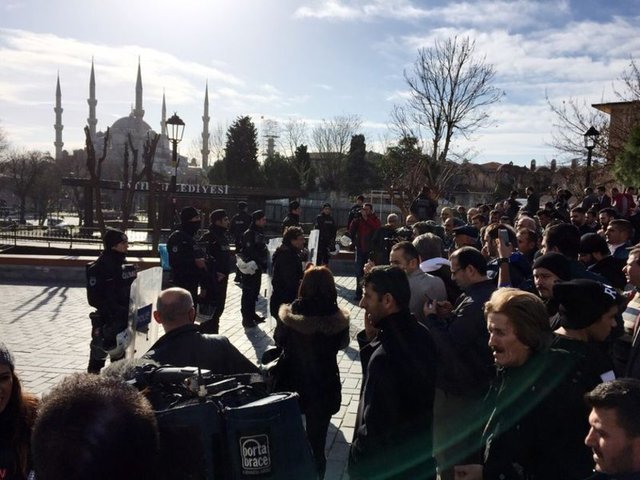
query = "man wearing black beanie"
x=109 y=281
x=549 y=269
x=187 y=260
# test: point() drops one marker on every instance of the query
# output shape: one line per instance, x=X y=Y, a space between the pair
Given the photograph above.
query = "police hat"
x=218 y=214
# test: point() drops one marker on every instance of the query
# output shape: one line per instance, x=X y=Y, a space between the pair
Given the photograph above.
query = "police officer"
x=327 y=234
x=239 y=224
x=109 y=283
x=293 y=219
x=216 y=245
x=186 y=258
x=255 y=254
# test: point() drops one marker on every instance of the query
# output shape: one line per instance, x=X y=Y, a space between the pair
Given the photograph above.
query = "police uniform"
x=326 y=236
x=183 y=252
x=216 y=245
x=109 y=283
x=254 y=248
x=237 y=226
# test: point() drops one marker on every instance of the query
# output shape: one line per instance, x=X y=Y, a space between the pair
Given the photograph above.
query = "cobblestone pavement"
x=47 y=328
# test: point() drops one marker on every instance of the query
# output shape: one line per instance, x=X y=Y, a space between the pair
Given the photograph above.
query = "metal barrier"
x=72 y=235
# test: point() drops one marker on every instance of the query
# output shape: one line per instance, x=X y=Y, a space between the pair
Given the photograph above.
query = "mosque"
x=135 y=125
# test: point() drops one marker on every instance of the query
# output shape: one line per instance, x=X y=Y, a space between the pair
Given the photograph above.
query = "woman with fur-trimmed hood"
x=314 y=329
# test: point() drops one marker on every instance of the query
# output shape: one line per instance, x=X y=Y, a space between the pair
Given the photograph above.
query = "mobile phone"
x=503 y=235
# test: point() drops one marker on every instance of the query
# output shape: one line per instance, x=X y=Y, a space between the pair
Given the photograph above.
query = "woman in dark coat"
x=314 y=329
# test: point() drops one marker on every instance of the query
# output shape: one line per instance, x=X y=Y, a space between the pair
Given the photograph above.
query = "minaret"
x=58 y=126
x=205 y=129
x=92 y=120
x=163 y=122
x=138 y=112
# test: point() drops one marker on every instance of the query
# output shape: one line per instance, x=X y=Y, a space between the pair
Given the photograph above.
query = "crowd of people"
x=499 y=342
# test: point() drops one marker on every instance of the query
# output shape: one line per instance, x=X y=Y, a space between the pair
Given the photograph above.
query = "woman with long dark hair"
x=17 y=414
x=314 y=329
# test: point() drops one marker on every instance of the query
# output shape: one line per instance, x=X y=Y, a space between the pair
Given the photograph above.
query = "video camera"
x=224 y=427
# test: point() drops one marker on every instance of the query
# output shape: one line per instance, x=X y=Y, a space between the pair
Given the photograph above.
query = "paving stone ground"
x=47 y=328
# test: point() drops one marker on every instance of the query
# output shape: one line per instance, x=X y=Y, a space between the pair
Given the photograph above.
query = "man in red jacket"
x=362 y=229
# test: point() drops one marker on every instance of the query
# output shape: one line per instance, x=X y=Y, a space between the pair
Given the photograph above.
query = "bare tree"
x=4 y=141
x=47 y=189
x=631 y=82
x=133 y=176
x=573 y=118
x=292 y=135
x=94 y=167
x=217 y=142
x=450 y=90
x=23 y=168
x=405 y=169
x=331 y=139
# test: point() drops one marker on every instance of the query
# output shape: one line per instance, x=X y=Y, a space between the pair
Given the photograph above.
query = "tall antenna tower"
x=270 y=129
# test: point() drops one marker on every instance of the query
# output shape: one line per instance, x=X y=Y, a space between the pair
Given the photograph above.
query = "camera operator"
x=354 y=211
x=183 y=345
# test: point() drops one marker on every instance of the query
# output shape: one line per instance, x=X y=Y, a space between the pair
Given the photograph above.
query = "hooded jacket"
x=310 y=342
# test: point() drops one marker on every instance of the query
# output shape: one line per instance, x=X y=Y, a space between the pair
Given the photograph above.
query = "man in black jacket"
x=216 y=245
x=326 y=235
x=466 y=364
x=110 y=281
x=183 y=345
x=394 y=425
x=256 y=256
x=187 y=259
x=287 y=272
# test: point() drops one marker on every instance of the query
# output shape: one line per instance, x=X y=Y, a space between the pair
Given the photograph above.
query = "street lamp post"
x=590 y=139
x=175 y=130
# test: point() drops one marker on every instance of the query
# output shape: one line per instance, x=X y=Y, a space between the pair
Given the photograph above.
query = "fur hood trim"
x=308 y=325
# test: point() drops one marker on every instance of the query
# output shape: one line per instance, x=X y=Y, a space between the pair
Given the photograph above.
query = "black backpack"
x=94 y=291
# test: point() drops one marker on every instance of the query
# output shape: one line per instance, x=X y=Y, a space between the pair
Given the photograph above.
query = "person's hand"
x=200 y=263
x=444 y=308
x=369 y=330
x=368 y=266
x=468 y=472
x=504 y=250
x=430 y=307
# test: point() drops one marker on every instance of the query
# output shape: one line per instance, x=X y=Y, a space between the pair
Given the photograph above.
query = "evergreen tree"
x=627 y=166
x=279 y=173
x=301 y=163
x=217 y=173
x=356 y=165
x=241 y=153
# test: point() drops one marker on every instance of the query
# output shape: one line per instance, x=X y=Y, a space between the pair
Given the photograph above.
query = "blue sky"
x=308 y=60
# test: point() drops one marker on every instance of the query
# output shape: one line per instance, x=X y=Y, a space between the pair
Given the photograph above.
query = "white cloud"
x=513 y=14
